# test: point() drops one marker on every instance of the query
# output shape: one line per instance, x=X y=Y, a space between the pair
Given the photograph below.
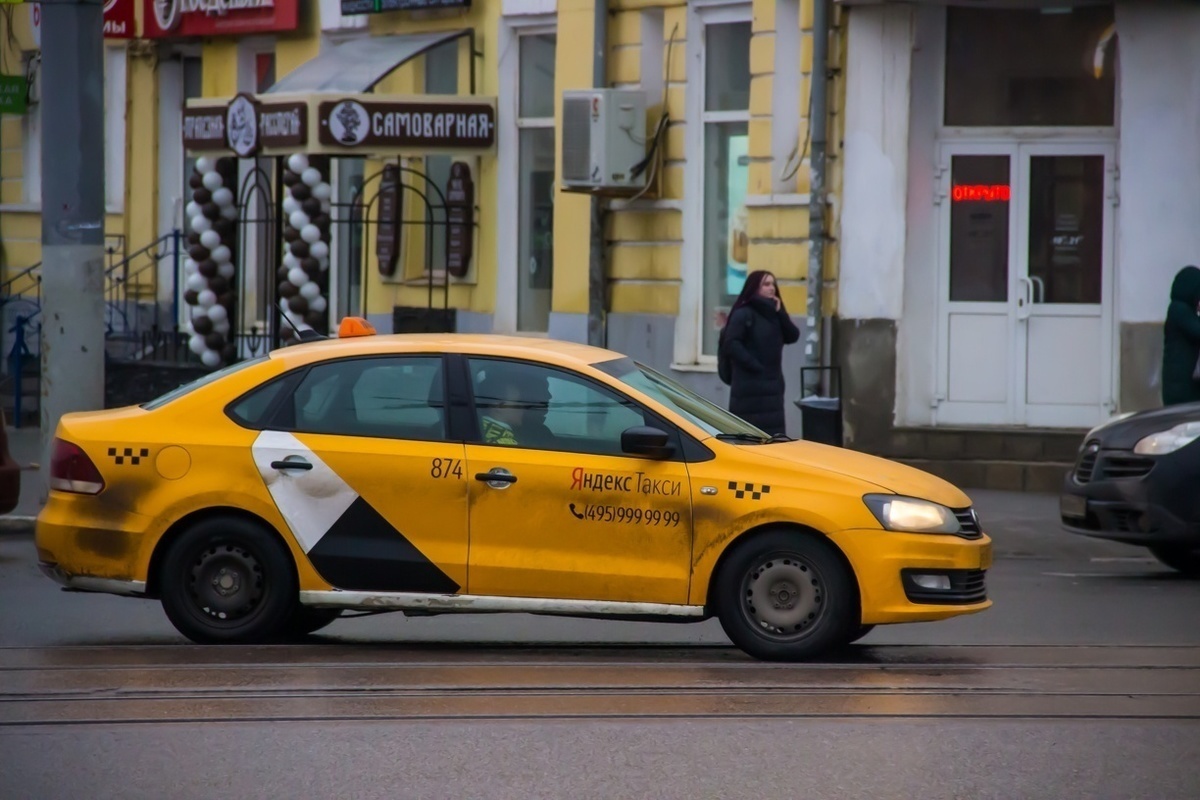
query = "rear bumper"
x=86 y=583
x=83 y=546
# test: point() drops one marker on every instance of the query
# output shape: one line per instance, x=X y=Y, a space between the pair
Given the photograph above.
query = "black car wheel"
x=227 y=580
x=784 y=596
x=307 y=620
x=1181 y=559
x=859 y=632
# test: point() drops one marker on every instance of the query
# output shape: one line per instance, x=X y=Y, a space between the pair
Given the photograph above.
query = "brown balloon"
x=312 y=207
x=311 y=267
x=202 y=195
x=208 y=268
x=299 y=248
x=191 y=298
x=290 y=178
x=290 y=234
x=219 y=284
x=215 y=341
x=298 y=305
x=282 y=273
x=202 y=325
x=301 y=191
x=225 y=228
x=211 y=210
x=199 y=253
x=287 y=289
x=315 y=318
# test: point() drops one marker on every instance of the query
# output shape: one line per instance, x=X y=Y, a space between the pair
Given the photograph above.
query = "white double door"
x=1025 y=284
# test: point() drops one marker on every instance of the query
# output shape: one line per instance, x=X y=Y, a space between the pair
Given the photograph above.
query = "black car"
x=1137 y=480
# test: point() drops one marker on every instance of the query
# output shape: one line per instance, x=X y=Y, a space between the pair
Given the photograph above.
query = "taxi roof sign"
x=355 y=326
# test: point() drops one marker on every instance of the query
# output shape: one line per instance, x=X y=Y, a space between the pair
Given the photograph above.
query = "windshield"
x=203 y=380
x=709 y=416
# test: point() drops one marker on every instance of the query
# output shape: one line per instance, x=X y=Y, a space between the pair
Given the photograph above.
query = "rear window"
x=200 y=382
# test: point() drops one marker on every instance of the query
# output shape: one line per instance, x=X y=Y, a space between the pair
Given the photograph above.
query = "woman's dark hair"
x=750 y=288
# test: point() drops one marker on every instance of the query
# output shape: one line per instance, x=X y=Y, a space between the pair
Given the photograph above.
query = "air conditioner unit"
x=604 y=139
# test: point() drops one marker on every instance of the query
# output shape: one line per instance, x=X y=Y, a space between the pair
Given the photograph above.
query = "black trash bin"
x=821 y=417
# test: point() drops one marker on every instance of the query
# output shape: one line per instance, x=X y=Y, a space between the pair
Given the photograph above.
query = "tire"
x=1181 y=559
x=307 y=620
x=814 y=596
x=259 y=593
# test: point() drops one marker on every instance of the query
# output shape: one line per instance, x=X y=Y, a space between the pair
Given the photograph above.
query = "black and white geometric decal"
x=349 y=543
x=304 y=273
x=208 y=271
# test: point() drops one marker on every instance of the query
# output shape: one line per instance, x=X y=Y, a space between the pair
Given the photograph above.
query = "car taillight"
x=72 y=471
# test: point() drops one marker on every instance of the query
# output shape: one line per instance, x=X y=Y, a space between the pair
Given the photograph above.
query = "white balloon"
x=290 y=261
x=229 y=212
x=201 y=223
x=211 y=358
x=218 y=314
x=196 y=344
x=322 y=191
x=297 y=163
x=196 y=283
x=204 y=164
x=221 y=254
x=318 y=304
x=221 y=327
x=192 y=209
x=310 y=234
x=213 y=181
x=297 y=277
x=290 y=206
x=207 y=299
x=225 y=270
x=223 y=197
x=190 y=266
x=311 y=176
x=310 y=290
x=298 y=219
x=189 y=329
x=319 y=250
x=210 y=239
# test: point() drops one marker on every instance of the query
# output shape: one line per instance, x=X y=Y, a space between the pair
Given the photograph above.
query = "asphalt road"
x=1082 y=681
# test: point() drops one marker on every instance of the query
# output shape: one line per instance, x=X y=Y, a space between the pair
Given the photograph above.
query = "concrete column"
x=72 y=213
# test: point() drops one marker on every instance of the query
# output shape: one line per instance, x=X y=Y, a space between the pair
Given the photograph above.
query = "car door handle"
x=496 y=476
x=297 y=464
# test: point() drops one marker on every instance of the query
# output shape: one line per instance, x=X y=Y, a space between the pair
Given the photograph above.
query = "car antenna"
x=310 y=335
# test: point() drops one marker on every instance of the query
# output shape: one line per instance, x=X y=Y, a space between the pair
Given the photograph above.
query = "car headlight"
x=1168 y=441
x=911 y=515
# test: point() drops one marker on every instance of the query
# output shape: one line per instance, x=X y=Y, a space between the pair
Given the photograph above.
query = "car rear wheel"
x=784 y=596
x=227 y=580
x=1181 y=559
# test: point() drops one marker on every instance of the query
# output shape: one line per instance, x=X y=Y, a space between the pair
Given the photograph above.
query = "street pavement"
x=1083 y=681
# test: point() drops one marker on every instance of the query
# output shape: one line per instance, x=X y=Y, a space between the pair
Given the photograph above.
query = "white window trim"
x=785 y=93
x=508 y=160
x=689 y=325
x=31 y=145
x=116 y=99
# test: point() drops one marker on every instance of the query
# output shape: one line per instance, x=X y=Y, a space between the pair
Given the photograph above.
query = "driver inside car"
x=513 y=410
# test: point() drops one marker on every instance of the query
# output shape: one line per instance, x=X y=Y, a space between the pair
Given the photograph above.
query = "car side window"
x=528 y=405
x=388 y=398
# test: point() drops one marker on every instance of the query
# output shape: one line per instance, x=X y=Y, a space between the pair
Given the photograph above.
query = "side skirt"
x=485 y=604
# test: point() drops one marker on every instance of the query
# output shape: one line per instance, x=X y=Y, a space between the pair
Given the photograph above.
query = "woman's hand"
x=778 y=302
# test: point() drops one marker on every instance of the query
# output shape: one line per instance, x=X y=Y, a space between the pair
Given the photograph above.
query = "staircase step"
x=1009 y=476
x=1030 y=445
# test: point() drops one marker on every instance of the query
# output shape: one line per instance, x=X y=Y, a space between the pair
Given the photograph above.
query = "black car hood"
x=1126 y=433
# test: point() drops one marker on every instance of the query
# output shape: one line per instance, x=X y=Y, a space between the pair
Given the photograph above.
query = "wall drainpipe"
x=817 y=351
x=596 y=334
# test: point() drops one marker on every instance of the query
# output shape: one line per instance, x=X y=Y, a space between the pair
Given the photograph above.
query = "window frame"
x=689 y=352
x=650 y=417
x=116 y=96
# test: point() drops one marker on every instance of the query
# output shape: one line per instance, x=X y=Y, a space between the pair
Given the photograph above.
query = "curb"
x=14 y=525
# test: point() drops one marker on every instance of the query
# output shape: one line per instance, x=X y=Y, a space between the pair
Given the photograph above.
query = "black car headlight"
x=911 y=515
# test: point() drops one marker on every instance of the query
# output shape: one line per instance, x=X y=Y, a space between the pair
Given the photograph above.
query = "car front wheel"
x=784 y=596
x=227 y=580
x=1181 y=559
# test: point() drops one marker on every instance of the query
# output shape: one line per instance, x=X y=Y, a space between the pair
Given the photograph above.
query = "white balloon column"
x=304 y=274
x=209 y=269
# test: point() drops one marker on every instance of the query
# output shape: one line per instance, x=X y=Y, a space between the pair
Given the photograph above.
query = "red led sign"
x=981 y=193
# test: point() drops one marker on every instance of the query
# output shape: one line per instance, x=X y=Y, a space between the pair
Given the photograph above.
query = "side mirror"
x=648 y=442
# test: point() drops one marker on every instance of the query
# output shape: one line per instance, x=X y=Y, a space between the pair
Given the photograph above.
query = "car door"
x=557 y=510
x=356 y=458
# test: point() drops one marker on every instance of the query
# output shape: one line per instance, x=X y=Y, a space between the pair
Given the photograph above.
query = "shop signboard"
x=350 y=7
x=198 y=18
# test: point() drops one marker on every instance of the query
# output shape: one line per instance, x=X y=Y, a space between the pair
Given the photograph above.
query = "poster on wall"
x=738 y=172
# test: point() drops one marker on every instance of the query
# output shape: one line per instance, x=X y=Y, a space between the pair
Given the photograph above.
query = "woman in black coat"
x=755 y=333
x=1181 y=340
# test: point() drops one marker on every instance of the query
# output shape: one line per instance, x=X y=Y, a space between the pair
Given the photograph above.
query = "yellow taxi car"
x=451 y=473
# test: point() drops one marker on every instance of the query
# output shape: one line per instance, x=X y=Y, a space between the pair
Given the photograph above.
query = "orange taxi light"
x=355 y=326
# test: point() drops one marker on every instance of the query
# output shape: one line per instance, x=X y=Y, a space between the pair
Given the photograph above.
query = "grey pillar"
x=72 y=347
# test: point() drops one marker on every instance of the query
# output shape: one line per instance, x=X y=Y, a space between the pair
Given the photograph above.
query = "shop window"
x=535 y=191
x=979 y=219
x=441 y=77
x=726 y=165
x=348 y=235
x=1010 y=68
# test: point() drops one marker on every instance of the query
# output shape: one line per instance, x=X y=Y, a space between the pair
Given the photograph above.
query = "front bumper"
x=1144 y=509
x=885 y=563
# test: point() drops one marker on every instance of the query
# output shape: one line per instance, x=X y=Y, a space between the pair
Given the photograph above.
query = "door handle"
x=497 y=478
x=1025 y=298
x=296 y=464
x=1039 y=289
